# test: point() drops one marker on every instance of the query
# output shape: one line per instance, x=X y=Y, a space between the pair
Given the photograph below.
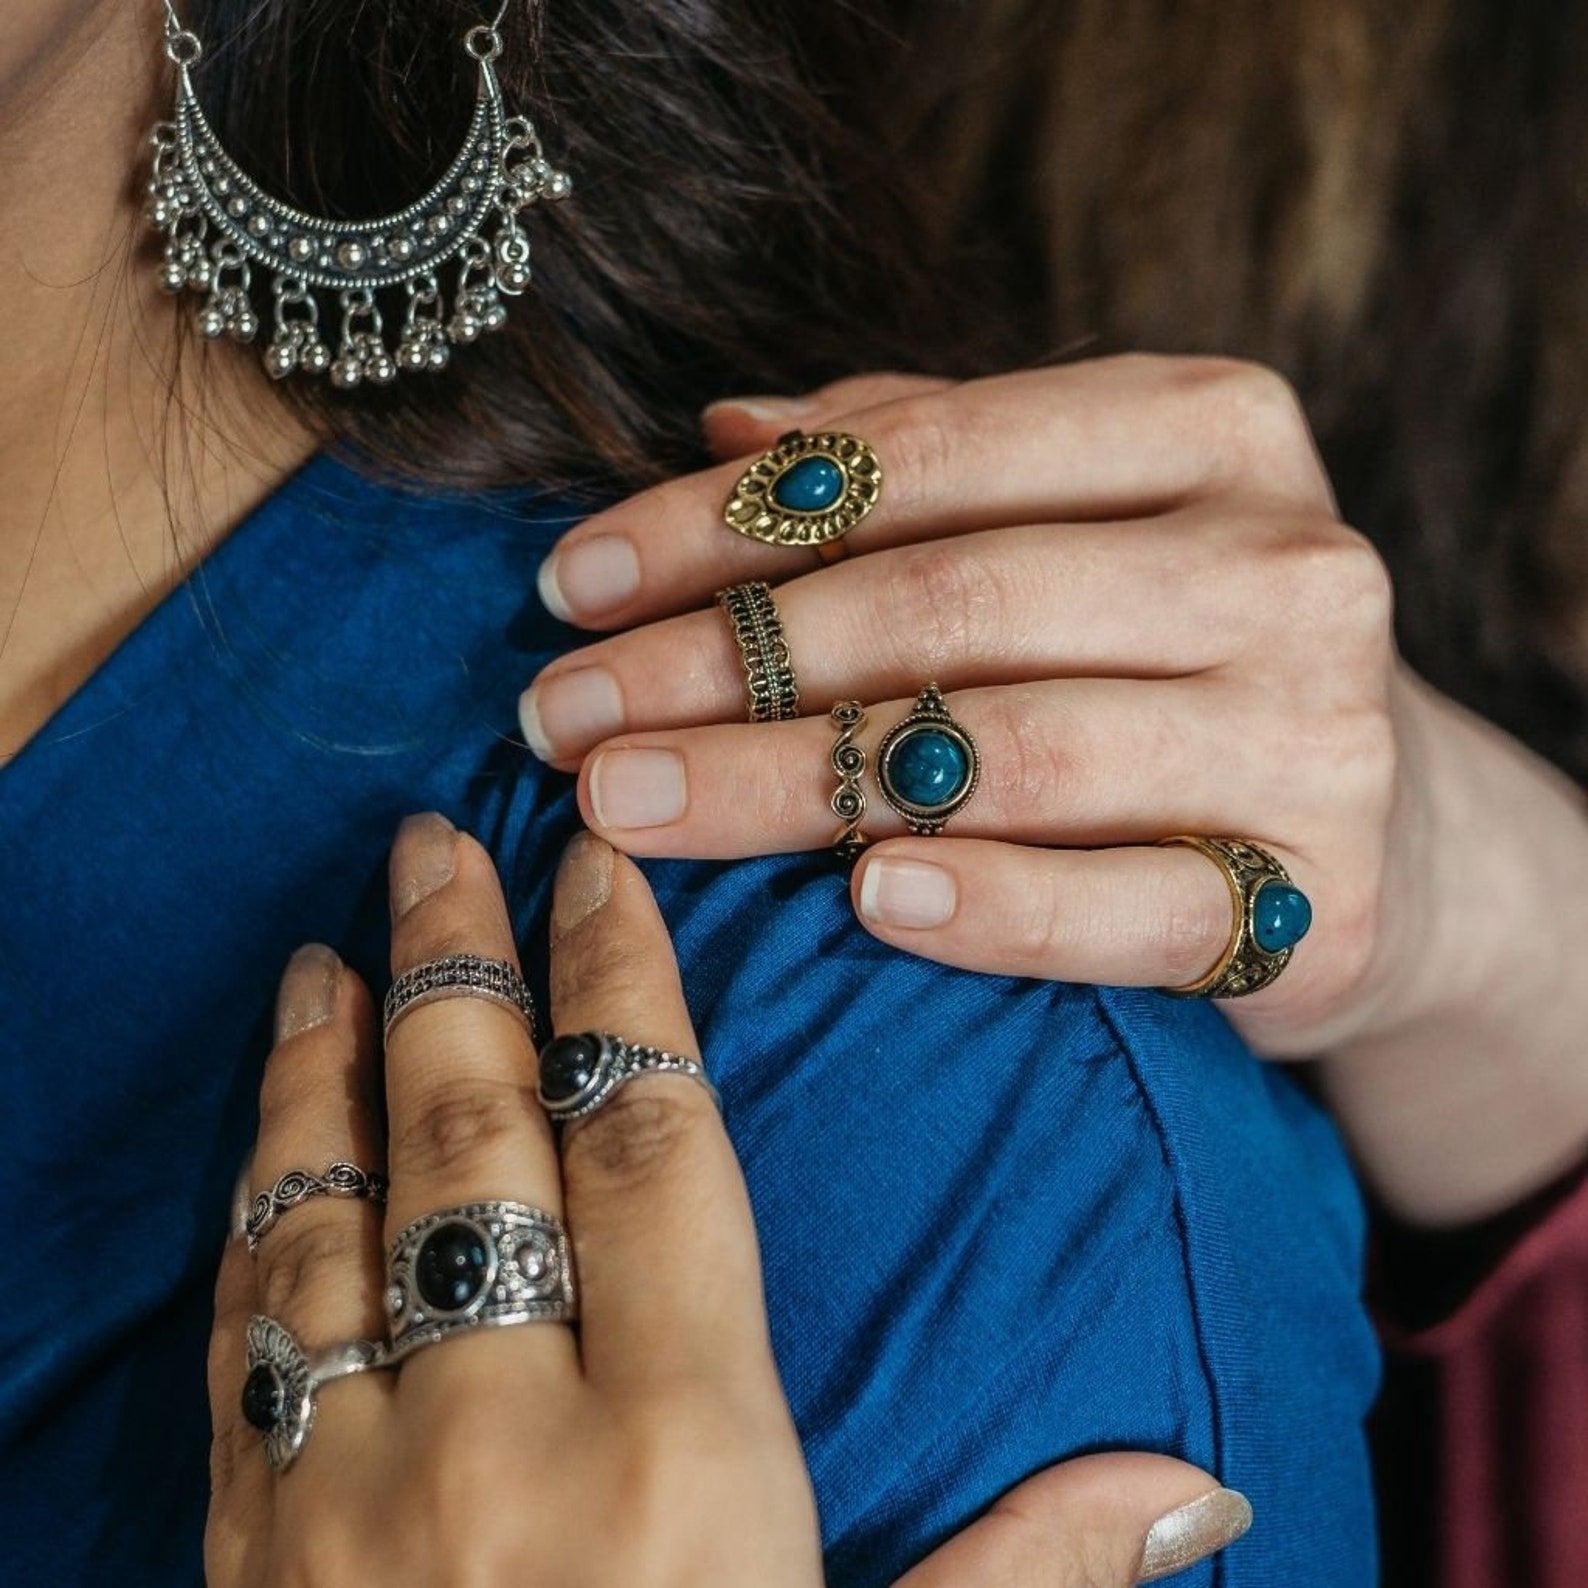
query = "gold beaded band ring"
x=771 y=690
x=1271 y=915
x=807 y=491
x=849 y=765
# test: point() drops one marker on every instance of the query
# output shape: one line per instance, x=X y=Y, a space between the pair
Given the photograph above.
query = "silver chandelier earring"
x=221 y=227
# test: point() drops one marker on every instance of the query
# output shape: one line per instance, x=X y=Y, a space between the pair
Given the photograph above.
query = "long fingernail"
x=423 y=859
x=589 y=577
x=909 y=893
x=570 y=712
x=584 y=884
x=1194 y=1532
x=638 y=788
x=308 y=991
x=764 y=410
x=242 y=1198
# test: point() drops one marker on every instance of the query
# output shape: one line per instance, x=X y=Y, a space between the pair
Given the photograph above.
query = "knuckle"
x=1257 y=413
x=313 y=1247
x=645 y=1132
x=936 y=600
x=457 y=1126
x=923 y=449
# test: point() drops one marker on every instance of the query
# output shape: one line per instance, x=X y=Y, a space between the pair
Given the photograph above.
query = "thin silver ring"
x=284 y=1381
x=460 y=976
x=475 y=1266
x=589 y=1069
x=298 y=1186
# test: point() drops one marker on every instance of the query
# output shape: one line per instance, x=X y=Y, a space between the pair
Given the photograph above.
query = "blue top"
x=1003 y=1222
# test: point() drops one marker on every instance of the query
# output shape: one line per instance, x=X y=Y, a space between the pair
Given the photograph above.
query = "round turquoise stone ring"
x=1281 y=916
x=928 y=766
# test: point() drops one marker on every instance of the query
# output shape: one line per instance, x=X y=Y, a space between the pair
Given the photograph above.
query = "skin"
x=666 y=1404
x=1132 y=579
x=116 y=474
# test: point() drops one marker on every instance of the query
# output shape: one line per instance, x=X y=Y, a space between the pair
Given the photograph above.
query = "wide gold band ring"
x=1270 y=916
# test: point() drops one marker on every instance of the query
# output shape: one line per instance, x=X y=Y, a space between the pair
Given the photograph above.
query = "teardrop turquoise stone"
x=811 y=486
x=1281 y=917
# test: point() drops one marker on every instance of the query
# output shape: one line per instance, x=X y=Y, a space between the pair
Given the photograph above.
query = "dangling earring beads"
x=221 y=227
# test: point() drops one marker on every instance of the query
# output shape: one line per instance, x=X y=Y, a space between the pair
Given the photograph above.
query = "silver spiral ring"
x=298 y=1186
x=460 y=976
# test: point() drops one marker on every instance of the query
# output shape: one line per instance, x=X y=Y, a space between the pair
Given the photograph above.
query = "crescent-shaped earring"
x=222 y=230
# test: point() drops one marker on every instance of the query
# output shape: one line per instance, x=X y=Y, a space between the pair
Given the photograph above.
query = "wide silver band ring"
x=298 y=1186
x=579 y=1074
x=476 y=1266
x=460 y=976
x=284 y=1381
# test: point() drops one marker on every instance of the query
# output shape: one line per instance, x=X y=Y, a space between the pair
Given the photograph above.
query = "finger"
x=656 y=1202
x=1110 y=439
x=241 y=1487
x=872 y=626
x=1080 y=762
x=465 y=1124
x=1096 y=1522
x=319 y=1269
x=742 y=425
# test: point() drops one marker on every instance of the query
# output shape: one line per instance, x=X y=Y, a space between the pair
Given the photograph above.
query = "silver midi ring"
x=460 y=976
x=771 y=689
x=478 y=1265
x=298 y=1186
x=284 y=1381
x=579 y=1074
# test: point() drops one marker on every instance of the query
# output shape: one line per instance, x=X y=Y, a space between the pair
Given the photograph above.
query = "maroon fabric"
x=1482 y=1432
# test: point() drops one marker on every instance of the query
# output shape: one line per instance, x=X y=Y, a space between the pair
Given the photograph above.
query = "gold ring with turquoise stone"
x=1270 y=916
x=807 y=491
x=928 y=766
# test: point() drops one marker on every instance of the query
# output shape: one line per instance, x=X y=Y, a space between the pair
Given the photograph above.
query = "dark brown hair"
x=1383 y=203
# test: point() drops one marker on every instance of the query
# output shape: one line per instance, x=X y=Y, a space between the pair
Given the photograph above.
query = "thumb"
x=742 y=425
x=1097 y=1522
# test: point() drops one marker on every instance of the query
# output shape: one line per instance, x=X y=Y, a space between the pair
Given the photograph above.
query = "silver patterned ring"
x=284 y=1382
x=579 y=1074
x=298 y=1186
x=475 y=1266
x=460 y=976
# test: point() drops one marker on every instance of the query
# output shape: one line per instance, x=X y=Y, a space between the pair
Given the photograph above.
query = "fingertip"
x=895 y=888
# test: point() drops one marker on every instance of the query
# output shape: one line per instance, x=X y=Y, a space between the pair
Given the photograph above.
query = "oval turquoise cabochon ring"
x=807 y=491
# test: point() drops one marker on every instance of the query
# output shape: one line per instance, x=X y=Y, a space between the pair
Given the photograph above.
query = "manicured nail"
x=569 y=712
x=1194 y=1532
x=424 y=858
x=764 y=410
x=584 y=884
x=638 y=788
x=589 y=577
x=308 y=991
x=907 y=893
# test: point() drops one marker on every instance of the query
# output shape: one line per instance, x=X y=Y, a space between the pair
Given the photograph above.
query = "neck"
x=118 y=472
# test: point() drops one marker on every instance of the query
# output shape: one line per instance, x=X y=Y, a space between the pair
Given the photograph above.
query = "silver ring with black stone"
x=282 y=1388
x=480 y=1265
x=460 y=976
x=579 y=1074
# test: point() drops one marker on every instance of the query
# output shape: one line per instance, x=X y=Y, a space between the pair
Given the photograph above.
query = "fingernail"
x=308 y=991
x=907 y=893
x=764 y=410
x=242 y=1199
x=638 y=788
x=1194 y=1532
x=423 y=859
x=584 y=884
x=589 y=577
x=569 y=712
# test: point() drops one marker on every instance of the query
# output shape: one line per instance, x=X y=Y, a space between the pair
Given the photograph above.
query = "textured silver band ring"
x=771 y=690
x=476 y=1266
x=298 y=1186
x=459 y=976
x=284 y=1381
x=579 y=1074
